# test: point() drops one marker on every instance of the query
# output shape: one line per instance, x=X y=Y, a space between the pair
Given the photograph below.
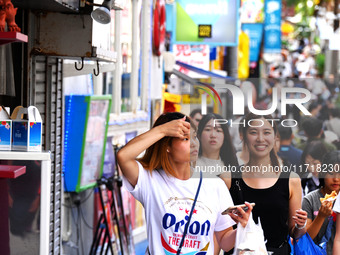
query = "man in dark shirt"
x=287 y=150
x=313 y=130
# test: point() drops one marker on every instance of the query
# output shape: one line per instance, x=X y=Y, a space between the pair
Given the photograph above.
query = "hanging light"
x=102 y=14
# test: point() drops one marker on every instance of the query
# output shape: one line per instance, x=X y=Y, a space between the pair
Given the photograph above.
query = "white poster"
x=194 y=55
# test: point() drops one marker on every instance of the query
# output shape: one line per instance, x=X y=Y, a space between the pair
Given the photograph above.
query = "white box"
x=26 y=134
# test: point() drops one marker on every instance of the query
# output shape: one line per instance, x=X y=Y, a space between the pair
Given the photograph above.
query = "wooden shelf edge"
x=11 y=37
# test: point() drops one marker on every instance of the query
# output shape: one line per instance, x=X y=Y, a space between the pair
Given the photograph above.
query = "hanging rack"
x=82 y=65
x=96 y=73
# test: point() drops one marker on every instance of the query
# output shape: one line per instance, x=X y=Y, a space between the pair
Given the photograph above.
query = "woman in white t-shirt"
x=161 y=181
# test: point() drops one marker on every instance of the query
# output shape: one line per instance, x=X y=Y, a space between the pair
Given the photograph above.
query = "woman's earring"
x=167 y=150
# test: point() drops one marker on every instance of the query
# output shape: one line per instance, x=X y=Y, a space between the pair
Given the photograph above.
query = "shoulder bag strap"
x=236 y=179
x=191 y=211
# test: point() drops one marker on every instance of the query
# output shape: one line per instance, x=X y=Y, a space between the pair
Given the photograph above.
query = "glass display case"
x=26 y=202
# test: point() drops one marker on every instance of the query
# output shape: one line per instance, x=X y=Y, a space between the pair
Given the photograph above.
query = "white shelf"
x=24 y=155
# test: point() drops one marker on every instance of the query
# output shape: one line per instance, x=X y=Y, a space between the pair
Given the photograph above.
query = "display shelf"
x=7 y=171
x=11 y=37
x=24 y=155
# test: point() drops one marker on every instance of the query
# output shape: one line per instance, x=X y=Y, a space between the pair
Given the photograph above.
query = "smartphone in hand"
x=233 y=209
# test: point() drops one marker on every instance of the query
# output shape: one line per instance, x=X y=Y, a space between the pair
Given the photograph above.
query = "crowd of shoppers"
x=165 y=178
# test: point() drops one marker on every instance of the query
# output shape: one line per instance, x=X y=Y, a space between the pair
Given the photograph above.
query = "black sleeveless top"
x=272 y=206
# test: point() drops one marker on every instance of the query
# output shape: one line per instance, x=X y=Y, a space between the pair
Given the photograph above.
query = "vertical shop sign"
x=255 y=32
x=204 y=22
x=272 y=26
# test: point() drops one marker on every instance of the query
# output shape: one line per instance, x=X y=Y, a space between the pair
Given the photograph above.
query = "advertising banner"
x=272 y=26
x=255 y=33
x=195 y=55
x=212 y=22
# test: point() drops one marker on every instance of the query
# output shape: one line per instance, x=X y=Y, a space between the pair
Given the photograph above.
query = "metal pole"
x=134 y=57
x=146 y=52
x=117 y=87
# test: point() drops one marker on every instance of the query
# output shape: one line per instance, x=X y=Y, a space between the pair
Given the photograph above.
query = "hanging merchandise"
x=158 y=39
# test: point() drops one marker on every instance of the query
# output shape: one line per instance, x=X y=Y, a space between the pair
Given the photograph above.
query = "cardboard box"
x=5 y=129
x=26 y=129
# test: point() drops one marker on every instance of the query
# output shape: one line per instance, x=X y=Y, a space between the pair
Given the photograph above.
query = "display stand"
x=45 y=189
x=102 y=225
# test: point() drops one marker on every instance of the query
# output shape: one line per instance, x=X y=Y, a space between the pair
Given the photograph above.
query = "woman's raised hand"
x=176 y=128
x=242 y=216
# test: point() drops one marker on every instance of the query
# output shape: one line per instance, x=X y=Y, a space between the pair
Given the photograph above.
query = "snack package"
x=250 y=240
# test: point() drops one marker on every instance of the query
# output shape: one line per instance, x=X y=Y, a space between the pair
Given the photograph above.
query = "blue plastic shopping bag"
x=306 y=246
x=328 y=233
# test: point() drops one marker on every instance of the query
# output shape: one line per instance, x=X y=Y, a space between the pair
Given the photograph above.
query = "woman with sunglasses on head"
x=276 y=193
x=161 y=181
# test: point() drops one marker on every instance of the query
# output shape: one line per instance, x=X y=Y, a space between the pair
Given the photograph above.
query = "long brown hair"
x=274 y=160
x=156 y=156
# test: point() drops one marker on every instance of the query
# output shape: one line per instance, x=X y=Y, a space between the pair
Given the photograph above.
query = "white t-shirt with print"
x=336 y=207
x=167 y=202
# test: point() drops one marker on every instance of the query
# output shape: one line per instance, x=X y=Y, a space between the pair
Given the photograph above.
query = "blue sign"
x=272 y=26
x=194 y=20
x=255 y=33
